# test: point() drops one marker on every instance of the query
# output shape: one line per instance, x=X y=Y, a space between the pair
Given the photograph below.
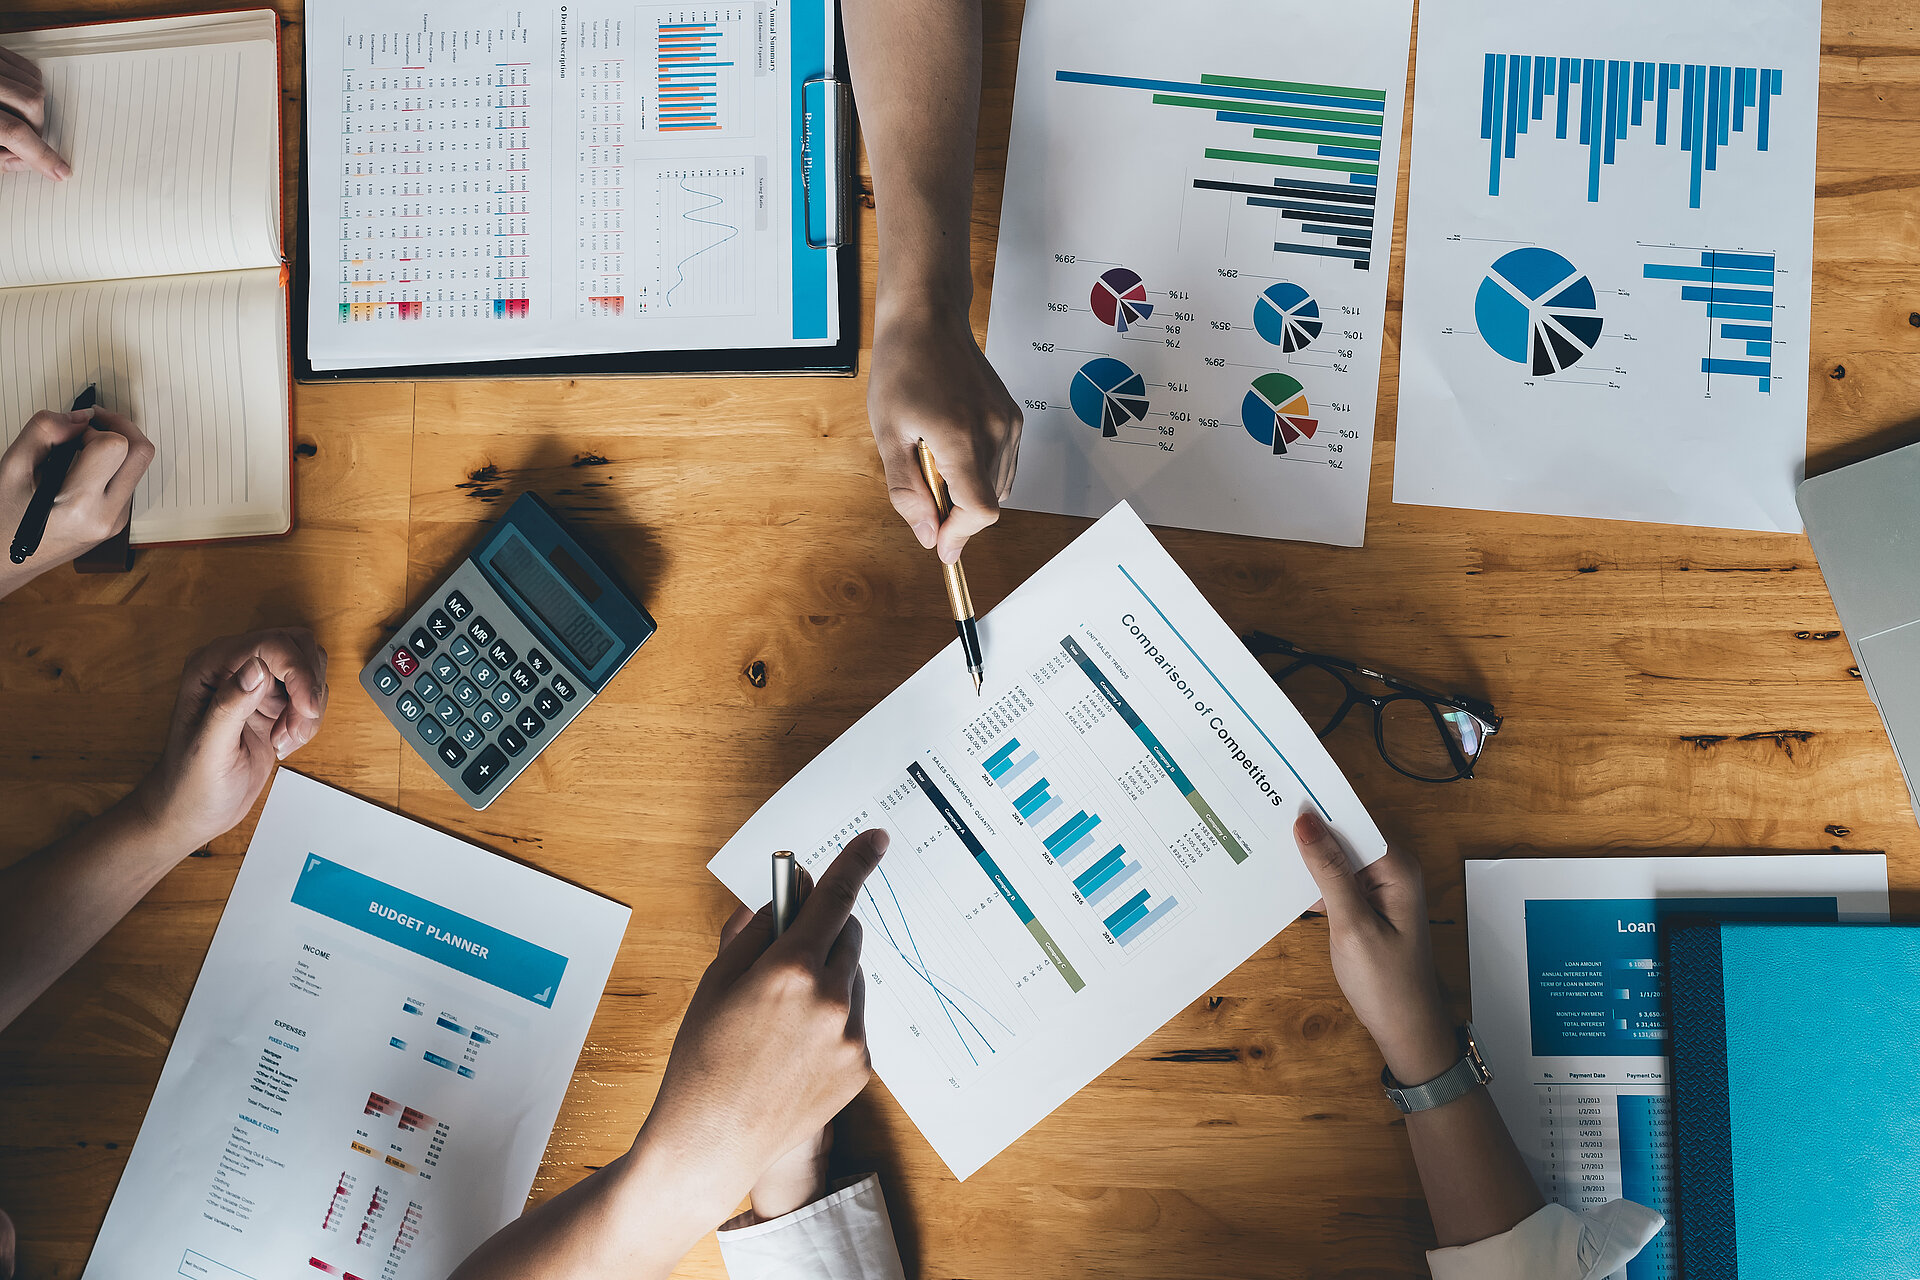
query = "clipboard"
x=824 y=166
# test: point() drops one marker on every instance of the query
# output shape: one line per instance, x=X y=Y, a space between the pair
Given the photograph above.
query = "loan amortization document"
x=1569 y=994
x=372 y=1060
x=490 y=181
x=1077 y=854
x=1609 y=272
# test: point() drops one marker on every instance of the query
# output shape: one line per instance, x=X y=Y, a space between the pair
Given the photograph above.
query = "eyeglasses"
x=1429 y=737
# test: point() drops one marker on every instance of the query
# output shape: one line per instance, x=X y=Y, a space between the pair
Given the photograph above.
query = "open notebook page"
x=175 y=155
x=198 y=361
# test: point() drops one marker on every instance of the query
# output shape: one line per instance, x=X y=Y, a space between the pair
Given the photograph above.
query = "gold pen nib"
x=976 y=684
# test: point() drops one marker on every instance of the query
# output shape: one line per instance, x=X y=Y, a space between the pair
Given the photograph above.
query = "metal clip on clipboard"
x=826 y=157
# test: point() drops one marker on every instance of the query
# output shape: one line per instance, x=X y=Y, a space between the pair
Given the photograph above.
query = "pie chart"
x=1120 y=299
x=1107 y=394
x=1287 y=316
x=1276 y=412
x=1537 y=309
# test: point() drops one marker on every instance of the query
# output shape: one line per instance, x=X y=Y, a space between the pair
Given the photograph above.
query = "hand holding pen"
x=106 y=457
x=958 y=596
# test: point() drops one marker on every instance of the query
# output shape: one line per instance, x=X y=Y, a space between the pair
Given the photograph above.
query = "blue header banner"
x=428 y=929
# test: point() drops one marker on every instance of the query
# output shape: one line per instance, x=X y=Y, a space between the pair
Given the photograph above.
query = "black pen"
x=957 y=594
x=53 y=474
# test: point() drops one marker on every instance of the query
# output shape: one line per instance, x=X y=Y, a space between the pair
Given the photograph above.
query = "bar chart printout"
x=1737 y=291
x=1576 y=1033
x=1198 y=211
x=1075 y=853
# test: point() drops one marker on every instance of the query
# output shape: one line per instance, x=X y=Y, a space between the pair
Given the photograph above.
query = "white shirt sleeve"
x=843 y=1236
x=1554 y=1244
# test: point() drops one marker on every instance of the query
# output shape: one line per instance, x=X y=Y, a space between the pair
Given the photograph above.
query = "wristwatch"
x=1456 y=1082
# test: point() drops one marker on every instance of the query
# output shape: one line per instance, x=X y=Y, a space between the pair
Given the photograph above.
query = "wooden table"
x=1666 y=690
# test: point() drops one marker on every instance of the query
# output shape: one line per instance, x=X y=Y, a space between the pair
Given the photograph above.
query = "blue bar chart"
x=1737 y=291
x=1326 y=138
x=1616 y=96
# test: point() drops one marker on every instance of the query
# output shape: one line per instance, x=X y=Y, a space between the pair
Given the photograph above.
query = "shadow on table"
x=869 y=1141
x=1882 y=441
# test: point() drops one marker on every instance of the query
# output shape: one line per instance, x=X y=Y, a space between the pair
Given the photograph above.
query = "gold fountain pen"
x=957 y=594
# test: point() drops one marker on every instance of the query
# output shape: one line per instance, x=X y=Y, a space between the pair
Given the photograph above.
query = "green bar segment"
x=1059 y=957
x=1319 y=139
x=1303 y=162
x=1264 y=109
x=1295 y=86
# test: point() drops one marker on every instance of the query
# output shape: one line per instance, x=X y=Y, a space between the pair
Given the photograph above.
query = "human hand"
x=96 y=498
x=773 y=1046
x=244 y=702
x=930 y=381
x=1382 y=956
x=23 y=115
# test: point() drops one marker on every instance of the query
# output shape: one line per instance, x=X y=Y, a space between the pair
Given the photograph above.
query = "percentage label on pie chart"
x=1537 y=309
x=1287 y=316
x=1108 y=395
x=1120 y=299
x=1276 y=412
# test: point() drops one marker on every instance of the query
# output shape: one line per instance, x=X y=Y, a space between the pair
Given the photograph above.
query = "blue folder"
x=1796 y=1064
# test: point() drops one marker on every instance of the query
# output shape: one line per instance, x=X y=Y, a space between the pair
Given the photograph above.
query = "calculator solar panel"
x=505 y=652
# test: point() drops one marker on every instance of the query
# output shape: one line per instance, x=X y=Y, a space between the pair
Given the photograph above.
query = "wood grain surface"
x=1665 y=690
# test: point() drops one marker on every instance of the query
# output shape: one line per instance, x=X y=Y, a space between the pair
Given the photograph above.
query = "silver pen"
x=786 y=890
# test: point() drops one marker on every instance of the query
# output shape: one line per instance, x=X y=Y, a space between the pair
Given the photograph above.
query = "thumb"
x=907 y=488
x=236 y=698
x=1326 y=860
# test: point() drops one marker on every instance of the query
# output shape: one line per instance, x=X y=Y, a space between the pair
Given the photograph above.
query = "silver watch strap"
x=1457 y=1081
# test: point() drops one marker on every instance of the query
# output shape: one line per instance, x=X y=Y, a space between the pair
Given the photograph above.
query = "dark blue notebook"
x=1796 y=1057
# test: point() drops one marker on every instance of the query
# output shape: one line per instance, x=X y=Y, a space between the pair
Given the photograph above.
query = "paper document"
x=1610 y=260
x=1191 y=283
x=1569 y=1002
x=1077 y=854
x=372 y=1060
x=491 y=181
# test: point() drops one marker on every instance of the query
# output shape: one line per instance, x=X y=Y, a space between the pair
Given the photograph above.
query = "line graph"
x=703 y=265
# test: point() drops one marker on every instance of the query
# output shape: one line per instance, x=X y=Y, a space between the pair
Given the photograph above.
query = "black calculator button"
x=466 y=693
x=462 y=650
x=439 y=624
x=483 y=675
x=562 y=686
x=487 y=717
x=457 y=606
x=504 y=697
x=522 y=678
x=448 y=712
x=427 y=687
x=444 y=669
x=422 y=643
x=546 y=704
x=512 y=742
x=468 y=735
x=409 y=707
x=501 y=654
x=529 y=722
x=486 y=767
x=481 y=630
x=384 y=680
x=538 y=661
x=453 y=753
x=430 y=730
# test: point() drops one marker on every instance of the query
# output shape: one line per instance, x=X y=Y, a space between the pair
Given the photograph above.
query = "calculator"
x=505 y=652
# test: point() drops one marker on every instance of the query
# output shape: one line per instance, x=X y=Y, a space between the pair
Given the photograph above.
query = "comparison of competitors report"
x=492 y=182
x=1077 y=854
x=1609 y=272
x=367 y=1073
x=1192 y=271
x=1569 y=1003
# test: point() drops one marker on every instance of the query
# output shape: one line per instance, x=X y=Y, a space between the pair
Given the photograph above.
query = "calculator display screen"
x=549 y=598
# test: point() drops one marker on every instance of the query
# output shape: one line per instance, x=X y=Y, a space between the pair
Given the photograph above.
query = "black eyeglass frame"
x=1260 y=644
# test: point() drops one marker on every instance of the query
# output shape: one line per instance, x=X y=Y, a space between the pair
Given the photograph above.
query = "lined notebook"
x=156 y=269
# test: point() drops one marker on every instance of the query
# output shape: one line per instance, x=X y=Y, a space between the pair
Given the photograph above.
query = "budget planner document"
x=1077 y=854
x=372 y=1060
x=490 y=181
